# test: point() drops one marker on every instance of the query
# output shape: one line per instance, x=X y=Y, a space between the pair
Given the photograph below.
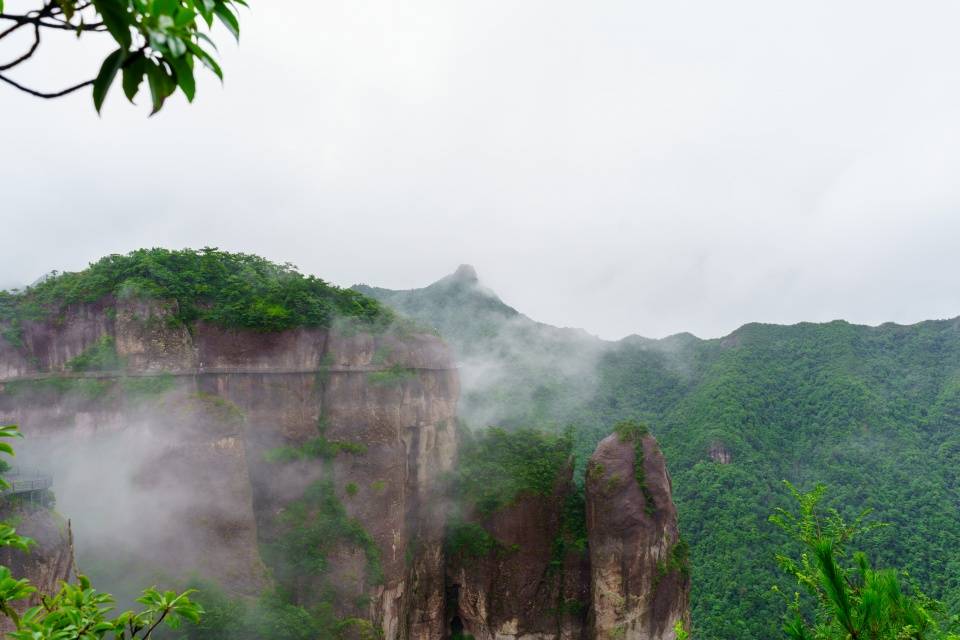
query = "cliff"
x=532 y=557
x=49 y=560
x=296 y=444
x=181 y=436
x=528 y=585
x=640 y=577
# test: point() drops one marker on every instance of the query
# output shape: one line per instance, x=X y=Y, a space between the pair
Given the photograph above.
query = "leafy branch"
x=158 y=40
x=78 y=611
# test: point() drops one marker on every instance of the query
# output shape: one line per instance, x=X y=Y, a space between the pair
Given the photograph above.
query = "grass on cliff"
x=229 y=289
x=497 y=466
x=494 y=469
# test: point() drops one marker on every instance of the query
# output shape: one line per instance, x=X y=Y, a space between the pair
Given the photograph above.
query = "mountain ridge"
x=873 y=411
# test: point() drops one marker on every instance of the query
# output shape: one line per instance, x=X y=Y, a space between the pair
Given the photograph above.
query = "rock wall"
x=179 y=445
x=638 y=564
x=49 y=561
x=529 y=587
x=189 y=421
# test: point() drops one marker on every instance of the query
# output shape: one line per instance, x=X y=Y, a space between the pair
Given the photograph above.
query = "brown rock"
x=48 y=563
x=639 y=577
x=522 y=590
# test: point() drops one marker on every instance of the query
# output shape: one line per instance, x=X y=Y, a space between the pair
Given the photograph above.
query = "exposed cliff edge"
x=49 y=560
x=190 y=417
x=533 y=558
x=640 y=577
x=295 y=442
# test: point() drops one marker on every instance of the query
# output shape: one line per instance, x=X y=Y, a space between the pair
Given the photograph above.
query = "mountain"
x=873 y=412
x=292 y=449
x=514 y=370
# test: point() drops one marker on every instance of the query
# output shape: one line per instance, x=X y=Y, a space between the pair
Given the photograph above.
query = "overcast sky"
x=626 y=167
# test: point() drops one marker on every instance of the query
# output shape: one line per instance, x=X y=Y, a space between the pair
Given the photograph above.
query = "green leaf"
x=229 y=19
x=108 y=71
x=67 y=6
x=205 y=7
x=132 y=77
x=1 y=6
x=184 y=17
x=161 y=85
x=205 y=58
x=183 y=70
x=117 y=20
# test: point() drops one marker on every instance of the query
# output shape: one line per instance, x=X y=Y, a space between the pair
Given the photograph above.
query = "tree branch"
x=28 y=54
x=41 y=94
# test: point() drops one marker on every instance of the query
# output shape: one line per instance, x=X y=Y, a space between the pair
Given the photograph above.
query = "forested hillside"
x=874 y=412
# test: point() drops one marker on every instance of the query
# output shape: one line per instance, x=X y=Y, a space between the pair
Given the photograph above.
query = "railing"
x=26 y=481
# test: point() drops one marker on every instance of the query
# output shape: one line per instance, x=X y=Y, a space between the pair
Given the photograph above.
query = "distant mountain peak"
x=466 y=273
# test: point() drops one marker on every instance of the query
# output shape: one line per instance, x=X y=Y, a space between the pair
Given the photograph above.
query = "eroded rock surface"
x=638 y=563
x=48 y=563
x=183 y=432
x=530 y=587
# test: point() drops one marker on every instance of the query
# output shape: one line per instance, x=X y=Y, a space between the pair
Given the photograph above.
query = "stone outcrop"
x=178 y=440
x=638 y=562
x=48 y=562
x=181 y=445
x=529 y=587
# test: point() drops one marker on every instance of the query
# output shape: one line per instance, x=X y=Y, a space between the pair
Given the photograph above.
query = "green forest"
x=872 y=412
x=229 y=289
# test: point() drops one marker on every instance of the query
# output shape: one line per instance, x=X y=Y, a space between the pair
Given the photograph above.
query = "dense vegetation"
x=496 y=467
x=873 y=412
x=229 y=289
x=840 y=595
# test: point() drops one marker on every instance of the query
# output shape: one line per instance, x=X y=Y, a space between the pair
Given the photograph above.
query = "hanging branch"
x=159 y=42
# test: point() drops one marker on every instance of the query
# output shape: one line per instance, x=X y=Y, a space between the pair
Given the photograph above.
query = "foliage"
x=497 y=466
x=392 y=376
x=873 y=411
x=228 y=289
x=160 y=41
x=89 y=389
x=101 y=356
x=318 y=448
x=145 y=386
x=78 y=610
x=841 y=596
x=469 y=539
x=309 y=529
x=633 y=432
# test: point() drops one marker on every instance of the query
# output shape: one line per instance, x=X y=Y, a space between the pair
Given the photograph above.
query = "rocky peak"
x=640 y=578
x=465 y=273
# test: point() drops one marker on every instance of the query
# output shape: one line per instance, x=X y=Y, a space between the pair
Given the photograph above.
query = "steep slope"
x=640 y=573
x=530 y=557
x=218 y=418
x=514 y=370
x=49 y=560
x=201 y=435
x=872 y=411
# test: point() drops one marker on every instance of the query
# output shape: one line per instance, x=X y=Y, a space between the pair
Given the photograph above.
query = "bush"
x=229 y=289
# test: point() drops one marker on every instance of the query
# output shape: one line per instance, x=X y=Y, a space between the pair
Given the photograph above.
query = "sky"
x=625 y=167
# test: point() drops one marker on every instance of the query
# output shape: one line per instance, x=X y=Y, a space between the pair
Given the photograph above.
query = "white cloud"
x=625 y=167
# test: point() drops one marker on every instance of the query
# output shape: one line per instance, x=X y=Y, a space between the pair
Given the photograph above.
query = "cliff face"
x=49 y=561
x=312 y=459
x=528 y=587
x=182 y=436
x=638 y=563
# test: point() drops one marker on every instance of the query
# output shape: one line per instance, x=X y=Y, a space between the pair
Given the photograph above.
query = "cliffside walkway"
x=26 y=481
x=202 y=371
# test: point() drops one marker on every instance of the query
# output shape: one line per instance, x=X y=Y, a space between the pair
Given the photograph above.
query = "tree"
x=78 y=611
x=845 y=597
x=157 y=40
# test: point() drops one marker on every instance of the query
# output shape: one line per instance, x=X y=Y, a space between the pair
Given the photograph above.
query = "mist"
x=627 y=168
